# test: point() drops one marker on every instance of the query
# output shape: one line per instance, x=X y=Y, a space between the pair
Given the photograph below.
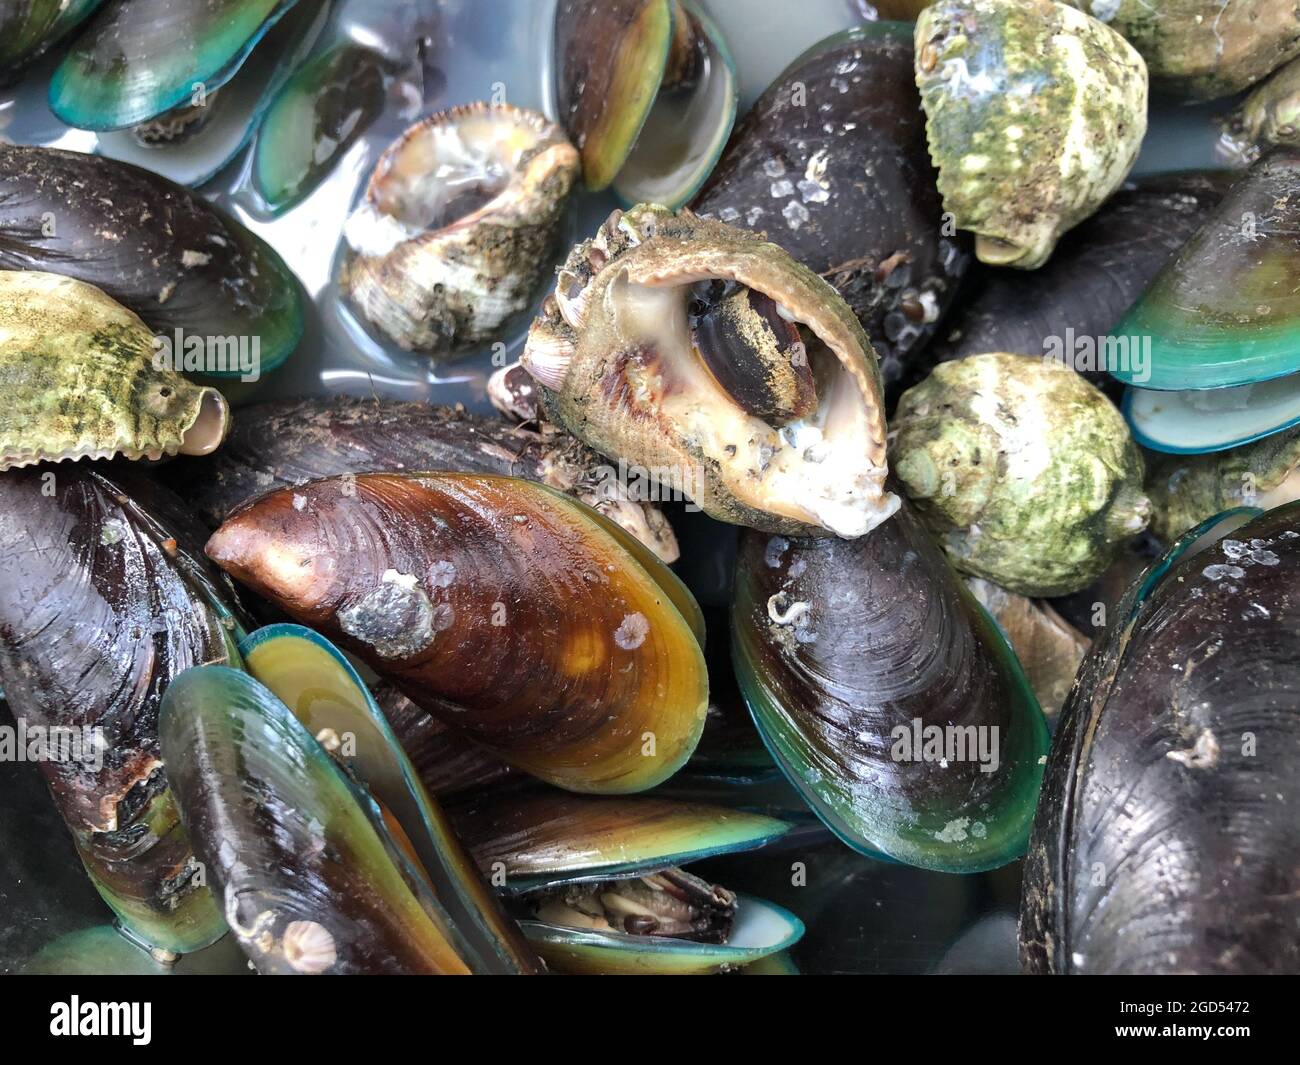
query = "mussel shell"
x=1097 y=271
x=539 y=629
x=104 y=598
x=540 y=839
x=286 y=442
x=311 y=882
x=179 y=263
x=29 y=27
x=323 y=108
x=795 y=170
x=1225 y=311
x=838 y=645
x=1167 y=841
x=141 y=58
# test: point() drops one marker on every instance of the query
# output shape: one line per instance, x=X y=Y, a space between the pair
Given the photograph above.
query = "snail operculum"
x=711 y=358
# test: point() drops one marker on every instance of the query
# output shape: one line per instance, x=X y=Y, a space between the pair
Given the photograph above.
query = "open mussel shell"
x=457 y=226
x=647 y=91
x=1225 y=311
x=1067 y=308
x=1203 y=49
x=1025 y=471
x=80 y=380
x=530 y=623
x=1000 y=80
x=221 y=298
x=578 y=856
x=286 y=442
x=312 y=881
x=192 y=143
x=712 y=362
x=139 y=59
x=539 y=839
x=888 y=697
x=29 y=27
x=104 y=598
x=1185 y=490
x=1199 y=421
x=795 y=170
x=319 y=113
x=1166 y=841
x=317 y=683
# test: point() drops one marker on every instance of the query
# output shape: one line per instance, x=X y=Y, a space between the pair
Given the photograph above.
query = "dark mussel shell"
x=165 y=253
x=104 y=597
x=848 y=652
x=1098 y=269
x=537 y=628
x=29 y=27
x=286 y=442
x=1167 y=839
x=832 y=163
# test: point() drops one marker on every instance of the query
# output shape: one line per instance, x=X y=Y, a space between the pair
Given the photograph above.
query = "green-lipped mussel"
x=221 y=298
x=1166 y=841
x=287 y=442
x=888 y=696
x=599 y=886
x=79 y=378
x=457 y=225
x=1185 y=490
x=104 y=598
x=794 y=170
x=1035 y=113
x=29 y=27
x=712 y=361
x=1068 y=307
x=647 y=92
x=1204 y=48
x=527 y=621
x=1025 y=471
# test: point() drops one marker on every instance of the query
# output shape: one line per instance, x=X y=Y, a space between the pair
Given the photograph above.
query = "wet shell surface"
x=1268 y=117
x=78 y=375
x=1185 y=490
x=1204 y=48
x=457 y=226
x=1025 y=471
x=713 y=361
x=1035 y=115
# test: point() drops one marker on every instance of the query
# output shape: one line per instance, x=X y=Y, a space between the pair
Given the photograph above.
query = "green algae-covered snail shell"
x=311 y=879
x=1185 y=490
x=29 y=27
x=141 y=58
x=648 y=92
x=713 y=361
x=319 y=113
x=80 y=380
x=287 y=442
x=105 y=597
x=794 y=169
x=1035 y=113
x=530 y=623
x=1268 y=117
x=1166 y=840
x=1203 y=48
x=598 y=884
x=1025 y=471
x=457 y=226
x=186 y=268
x=1225 y=311
x=888 y=696
x=317 y=683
